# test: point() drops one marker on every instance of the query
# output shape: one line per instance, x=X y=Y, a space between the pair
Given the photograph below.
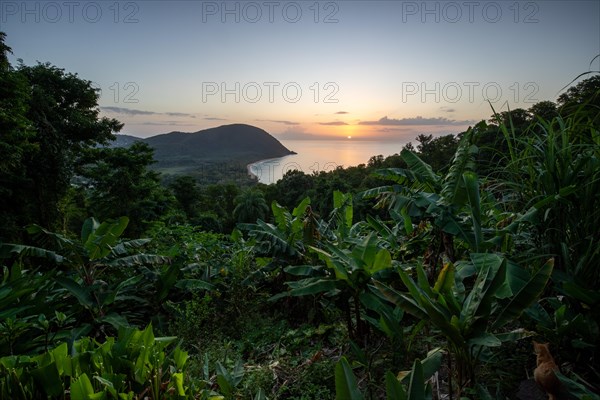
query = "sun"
x=349 y=137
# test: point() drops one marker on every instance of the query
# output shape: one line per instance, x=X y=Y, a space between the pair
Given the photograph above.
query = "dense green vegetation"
x=415 y=276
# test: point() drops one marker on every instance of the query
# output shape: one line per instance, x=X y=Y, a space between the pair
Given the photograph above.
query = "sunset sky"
x=379 y=70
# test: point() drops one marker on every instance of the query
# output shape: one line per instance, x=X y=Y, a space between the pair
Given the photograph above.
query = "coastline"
x=256 y=177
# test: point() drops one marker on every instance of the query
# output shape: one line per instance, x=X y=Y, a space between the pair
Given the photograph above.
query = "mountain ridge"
x=233 y=142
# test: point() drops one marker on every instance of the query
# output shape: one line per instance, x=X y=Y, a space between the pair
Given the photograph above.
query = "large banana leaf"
x=453 y=190
x=472 y=190
x=527 y=295
x=346 y=386
x=393 y=388
x=478 y=304
x=423 y=171
x=100 y=241
x=343 y=203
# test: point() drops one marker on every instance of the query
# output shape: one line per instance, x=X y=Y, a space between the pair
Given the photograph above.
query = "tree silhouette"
x=250 y=206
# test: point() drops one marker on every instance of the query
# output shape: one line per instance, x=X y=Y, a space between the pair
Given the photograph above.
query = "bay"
x=321 y=155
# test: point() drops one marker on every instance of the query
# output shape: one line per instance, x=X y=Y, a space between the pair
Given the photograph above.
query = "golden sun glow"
x=349 y=131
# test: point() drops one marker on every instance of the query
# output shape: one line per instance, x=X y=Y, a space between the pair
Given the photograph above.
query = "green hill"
x=227 y=148
x=237 y=142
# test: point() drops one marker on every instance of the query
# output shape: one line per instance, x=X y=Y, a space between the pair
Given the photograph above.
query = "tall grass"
x=553 y=169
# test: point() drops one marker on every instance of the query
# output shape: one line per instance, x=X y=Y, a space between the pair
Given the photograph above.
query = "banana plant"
x=287 y=237
x=450 y=203
x=349 y=259
x=470 y=320
x=407 y=385
x=96 y=269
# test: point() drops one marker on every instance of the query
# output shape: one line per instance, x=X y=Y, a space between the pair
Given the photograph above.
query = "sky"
x=365 y=70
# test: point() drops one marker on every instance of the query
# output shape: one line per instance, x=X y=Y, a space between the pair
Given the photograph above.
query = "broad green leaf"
x=445 y=280
x=301 y=208
x=81 y=388
x=343 y=202
x=8 y=250
x=81 y=293
x=381 y=229
x=283 y=219
x=48 y=377
x=139 y=259
x=301 y=270
x=393 y=388
x=527 y=295
x=178 y=378
x=180 y=357
x=576 y=389
x=383 y=260
x=338 y=268
x=408 y=226
x=472 y=190
x=61 y=358
x=432 y=363
x=491 y=275
x=100 y=242
x=314 y=287
x=453 y=189
x=114 y=319
x=89 y=226
x=108 y=385
x=589 y=297
x=484 y=339
x=423 y=170
x=346 y=387
x=423 y=281
x=404 y=301
x=364 y=253
x=416 y=385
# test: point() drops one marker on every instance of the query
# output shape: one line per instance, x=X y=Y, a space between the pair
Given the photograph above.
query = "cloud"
x=447 y=109
x=179 y=114
x=163 y=123
x=333 y=123
x=385 y=121
x=214 y=119
x=342 y=112
x=127 y=111
x=277 y=121
x=133 y=111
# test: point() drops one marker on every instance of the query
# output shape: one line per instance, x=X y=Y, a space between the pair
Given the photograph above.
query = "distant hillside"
x=124 y=141
x=237 y=142
x=235 y=145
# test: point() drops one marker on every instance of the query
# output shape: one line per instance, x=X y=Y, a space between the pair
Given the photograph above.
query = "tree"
x=187 y=193
x=582 y=100
x=585 y=92
x=518 y=119
x=120 y=183
x=217 y=203
x=250 y=206
x=50 y=117
x=436 y=152
x=545 y=110
x=15 y=143
x=292 y=188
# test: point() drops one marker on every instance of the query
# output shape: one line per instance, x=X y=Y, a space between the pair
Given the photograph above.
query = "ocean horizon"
x=321 y=155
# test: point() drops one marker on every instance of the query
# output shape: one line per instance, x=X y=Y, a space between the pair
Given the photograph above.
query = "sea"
x=321 y=155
